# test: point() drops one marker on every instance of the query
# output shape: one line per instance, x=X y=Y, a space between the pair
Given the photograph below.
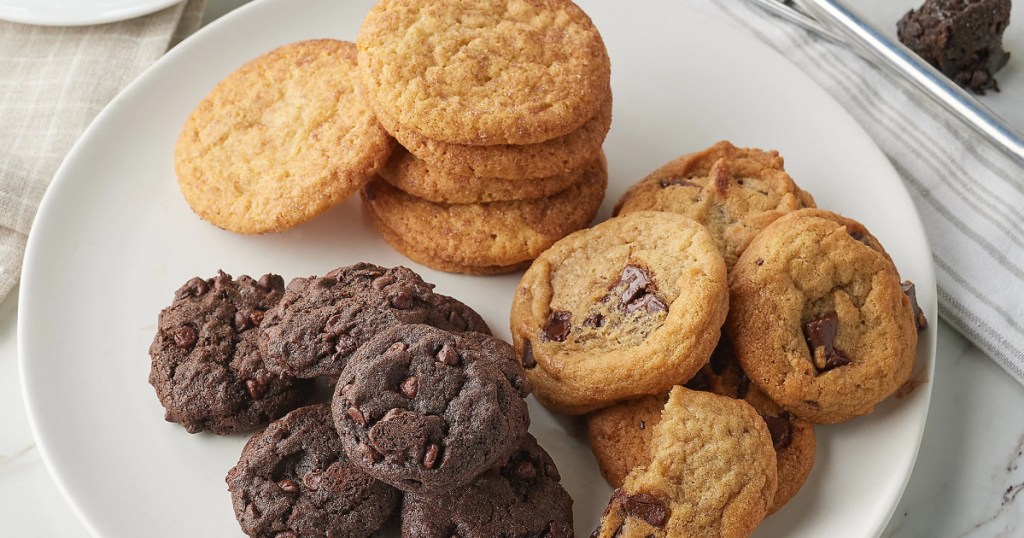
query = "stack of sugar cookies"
x=501 y=109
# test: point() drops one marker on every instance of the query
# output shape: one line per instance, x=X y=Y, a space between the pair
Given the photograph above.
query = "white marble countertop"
x=965 y=484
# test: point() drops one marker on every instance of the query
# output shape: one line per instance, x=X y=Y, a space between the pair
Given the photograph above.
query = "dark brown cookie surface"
x=426 y=410
x=521 y=498
x=322 y=321
x=206 y=367
x=294 y=480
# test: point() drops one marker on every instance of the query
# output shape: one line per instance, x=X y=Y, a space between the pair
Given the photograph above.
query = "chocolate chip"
x=256 y=388
x=821 y=334
x=403 y=300
x=919 y=320
x=196 y=287
x=312 y=479
x=382 y=282
x=242 y=322
x=457 y=321
x=643 y=425
x=252 y=511
x=286 y=534
x=595 y=321
x=723 y=176
x=185 y=337
x=431 y=457
x=674 y=182
x=268 y=281
x=557 y=326
x=647 y=303
x=369 y=453
x=447 y=355
x=356 y=415
x=409 y=386
x=288 y=486
x=759 y=262
x=526 y=471
x=528 y=360
x=345 y=345
x=781 y=430
x=639 y=291
x=646 y=507
x=860 y=237
x=597 y=531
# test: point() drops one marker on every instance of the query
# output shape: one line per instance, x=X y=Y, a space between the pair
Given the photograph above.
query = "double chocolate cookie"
x=207 y=369
x=521 y=498
x=427 y=410
x=293 y=480
x=629 y=307
x=321 y=321
x=818 y=317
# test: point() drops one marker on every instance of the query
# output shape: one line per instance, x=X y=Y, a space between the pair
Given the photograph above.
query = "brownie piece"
x=961 y=38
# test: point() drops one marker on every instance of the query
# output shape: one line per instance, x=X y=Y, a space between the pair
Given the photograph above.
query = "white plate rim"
x=44 y=13
x=925 y=276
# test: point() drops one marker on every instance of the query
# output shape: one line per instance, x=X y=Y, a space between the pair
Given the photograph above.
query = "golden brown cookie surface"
x=418 y=178
x=734 y=192
x=627 y=308
x=818 y=318
x=508 y=161
x=484 y=72
x=485 y=235
x=712 y=473
x=280 y=140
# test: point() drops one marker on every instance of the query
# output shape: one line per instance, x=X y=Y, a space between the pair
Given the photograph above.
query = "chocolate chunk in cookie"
x=322 y=321
x=427 y=410
x=207 y=369
x=523 y=497
x=293 y=479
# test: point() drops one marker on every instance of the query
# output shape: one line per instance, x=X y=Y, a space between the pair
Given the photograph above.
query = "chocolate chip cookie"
x=294 y=480
x=521 y=498
x=207 y=369
x=484 y=72
x=321 y=321
x=712 y=473
x=426 y=410
x=627 y=308
x=734 y=192
x=818 y=317
x=621 y=435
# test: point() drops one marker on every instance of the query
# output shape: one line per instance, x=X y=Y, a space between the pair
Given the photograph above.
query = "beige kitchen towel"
x=53 y=82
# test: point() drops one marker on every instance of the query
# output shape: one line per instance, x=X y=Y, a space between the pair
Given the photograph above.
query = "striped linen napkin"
x=969 y=194
x=54 y=81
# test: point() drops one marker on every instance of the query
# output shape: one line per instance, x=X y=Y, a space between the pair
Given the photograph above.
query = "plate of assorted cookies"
x=478 y=306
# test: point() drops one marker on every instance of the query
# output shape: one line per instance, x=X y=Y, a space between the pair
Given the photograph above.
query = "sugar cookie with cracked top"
x=627 y=308
x=712 y=473
x=818 y=317
x=734 y=192
x=508 y=161
x=280 y=140
x=483 y=72
x=422 y=180
x=496 y=234
x=426 y=410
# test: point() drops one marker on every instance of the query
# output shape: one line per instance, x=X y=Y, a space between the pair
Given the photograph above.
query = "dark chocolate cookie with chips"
x=322 y=321
x=206 y=367
x=426 y=410
x=294 y=480
x=521 y=498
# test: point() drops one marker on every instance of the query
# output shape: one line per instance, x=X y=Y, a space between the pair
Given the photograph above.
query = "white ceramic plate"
x=114 y=239
x=77 y=12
